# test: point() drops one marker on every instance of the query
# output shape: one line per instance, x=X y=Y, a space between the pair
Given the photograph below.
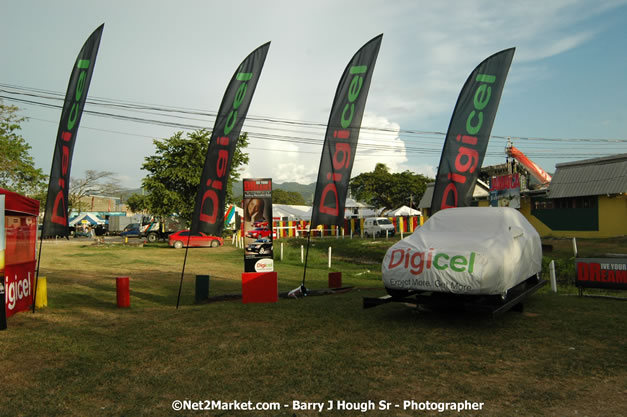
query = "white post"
x=553 y=280
x=386 y=234
x=575 y=246
x=329 y=256
x=342 y=232
x=401 y=233
x=281 y=251
x=233 y=239
x=302 y=254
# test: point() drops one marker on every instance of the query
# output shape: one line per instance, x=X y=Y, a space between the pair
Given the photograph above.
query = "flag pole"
x=302 y=285
x=178 y=298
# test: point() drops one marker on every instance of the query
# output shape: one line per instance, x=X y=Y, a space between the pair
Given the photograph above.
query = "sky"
x=564 y=98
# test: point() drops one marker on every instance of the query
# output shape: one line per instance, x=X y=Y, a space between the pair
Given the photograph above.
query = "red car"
x=258 y=233
x=198 y=240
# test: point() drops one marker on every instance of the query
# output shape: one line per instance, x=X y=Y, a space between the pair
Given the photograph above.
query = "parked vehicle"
x=465 y=251
x=260 y=225
x=260 y=246
x=378 y=226
x=131 y=230
x=154 y=228
x=181 y=238
x=117 y=223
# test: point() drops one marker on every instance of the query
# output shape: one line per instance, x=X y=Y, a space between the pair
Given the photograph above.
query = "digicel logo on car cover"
x=467 y=156
x=417 y=262
x=223 y=154
x=59 y=214
x=342 y=150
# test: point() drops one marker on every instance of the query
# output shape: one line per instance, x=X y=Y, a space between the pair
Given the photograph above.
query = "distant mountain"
x=306 y=190
x=125 y=194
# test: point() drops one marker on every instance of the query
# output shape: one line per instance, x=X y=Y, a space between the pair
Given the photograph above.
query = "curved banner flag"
x=210 y=200
x=469 y=131
x=55 y=218
x=340 y=141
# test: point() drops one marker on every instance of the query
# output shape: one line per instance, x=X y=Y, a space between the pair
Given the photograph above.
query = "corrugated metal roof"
x=598 y=176
x=425 y=201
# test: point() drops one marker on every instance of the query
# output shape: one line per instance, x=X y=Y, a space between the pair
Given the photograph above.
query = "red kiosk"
x=20 y=236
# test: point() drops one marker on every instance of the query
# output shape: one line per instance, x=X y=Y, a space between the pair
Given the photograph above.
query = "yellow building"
x=585 y=199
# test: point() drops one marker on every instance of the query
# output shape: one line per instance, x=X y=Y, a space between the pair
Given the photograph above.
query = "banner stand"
x=260 y=287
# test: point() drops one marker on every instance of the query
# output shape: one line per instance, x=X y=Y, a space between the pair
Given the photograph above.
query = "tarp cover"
x=469 y=250
x=90 y=218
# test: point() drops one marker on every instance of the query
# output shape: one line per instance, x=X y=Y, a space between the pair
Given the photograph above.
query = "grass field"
x=82 y=356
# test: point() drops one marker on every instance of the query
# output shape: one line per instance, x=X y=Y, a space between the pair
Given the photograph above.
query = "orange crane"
x=540 y=174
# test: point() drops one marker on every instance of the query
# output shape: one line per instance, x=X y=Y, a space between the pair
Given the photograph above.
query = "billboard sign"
x=258 y=239
x=608 y=273
x=505 y=191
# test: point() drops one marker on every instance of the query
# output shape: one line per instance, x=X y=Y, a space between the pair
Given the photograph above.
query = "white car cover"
x=469 y=250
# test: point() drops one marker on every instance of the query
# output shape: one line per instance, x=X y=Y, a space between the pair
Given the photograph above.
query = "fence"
x=352 y=227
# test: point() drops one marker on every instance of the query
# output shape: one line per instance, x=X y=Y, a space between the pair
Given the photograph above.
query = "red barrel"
x=123 y=291
x=335 y=279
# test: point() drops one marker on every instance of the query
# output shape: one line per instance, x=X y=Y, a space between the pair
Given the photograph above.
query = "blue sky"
x=568 y=80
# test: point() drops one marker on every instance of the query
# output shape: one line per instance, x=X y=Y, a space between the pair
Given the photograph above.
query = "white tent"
x=294 y=212
x=403 y=211
x=291 y=212
x=92 y=219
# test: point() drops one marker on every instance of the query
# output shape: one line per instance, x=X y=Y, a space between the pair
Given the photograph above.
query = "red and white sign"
x=20 y=238
x=610 y=273
x=19 y=282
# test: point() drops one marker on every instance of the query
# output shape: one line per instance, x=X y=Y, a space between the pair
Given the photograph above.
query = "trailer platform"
x=488 y=304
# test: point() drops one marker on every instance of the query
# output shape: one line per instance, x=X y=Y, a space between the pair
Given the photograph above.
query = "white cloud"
x=379 y=141
x=283 y=162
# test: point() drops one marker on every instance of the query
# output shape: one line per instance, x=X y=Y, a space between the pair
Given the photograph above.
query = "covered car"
x=469 y=250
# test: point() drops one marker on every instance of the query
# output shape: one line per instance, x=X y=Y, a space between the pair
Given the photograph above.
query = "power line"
x=133 y=106
x=362 y=146
x=403 y=142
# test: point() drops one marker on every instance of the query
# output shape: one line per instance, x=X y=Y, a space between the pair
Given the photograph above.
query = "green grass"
x=81 y=355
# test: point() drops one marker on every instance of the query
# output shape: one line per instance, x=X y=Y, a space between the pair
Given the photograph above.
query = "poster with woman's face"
x=257 y=207
x=255 y=210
